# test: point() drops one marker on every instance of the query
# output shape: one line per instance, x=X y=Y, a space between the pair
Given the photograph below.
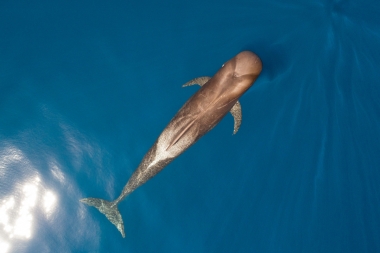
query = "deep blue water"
x=86 y=87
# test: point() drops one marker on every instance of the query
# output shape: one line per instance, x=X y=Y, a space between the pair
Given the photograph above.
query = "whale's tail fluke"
x=109 y=210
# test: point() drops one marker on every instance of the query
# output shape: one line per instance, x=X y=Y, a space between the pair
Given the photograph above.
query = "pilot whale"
x=216 y=97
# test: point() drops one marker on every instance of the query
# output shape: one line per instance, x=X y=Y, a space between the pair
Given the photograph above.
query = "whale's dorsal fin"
x=181 y=134
x=235 y=110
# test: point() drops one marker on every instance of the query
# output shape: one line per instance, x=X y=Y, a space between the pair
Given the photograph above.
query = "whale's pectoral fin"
x=109 y=210
x=199 y=80
x=236 y=113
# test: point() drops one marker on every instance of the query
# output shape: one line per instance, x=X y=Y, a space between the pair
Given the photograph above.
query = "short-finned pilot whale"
x=216 y=97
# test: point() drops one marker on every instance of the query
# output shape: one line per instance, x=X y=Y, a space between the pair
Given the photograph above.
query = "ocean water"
x=86 y=87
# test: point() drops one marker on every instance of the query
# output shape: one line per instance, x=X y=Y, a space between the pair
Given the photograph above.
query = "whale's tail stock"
x=109 y=209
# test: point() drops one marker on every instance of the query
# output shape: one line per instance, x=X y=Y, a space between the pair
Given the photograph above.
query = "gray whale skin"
x=216 y=97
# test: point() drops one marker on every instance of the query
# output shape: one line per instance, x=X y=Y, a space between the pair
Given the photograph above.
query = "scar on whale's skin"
x=216 y=97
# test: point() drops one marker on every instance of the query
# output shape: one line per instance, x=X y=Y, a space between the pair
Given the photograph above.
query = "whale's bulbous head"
x=247 y=63
x=242 y=71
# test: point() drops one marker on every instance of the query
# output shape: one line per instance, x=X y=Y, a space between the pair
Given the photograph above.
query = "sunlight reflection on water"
x=18 y=210
x=16 y=214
